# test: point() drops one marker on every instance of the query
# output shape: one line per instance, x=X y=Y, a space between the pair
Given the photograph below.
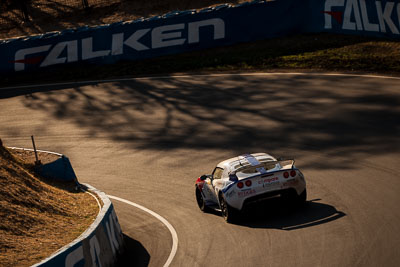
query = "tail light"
x=240 y=185
x=200 y=183
x=248 y=183
x=293 y=173
x=286 y=174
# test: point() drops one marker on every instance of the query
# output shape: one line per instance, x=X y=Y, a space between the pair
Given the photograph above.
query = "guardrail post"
x=37 y=162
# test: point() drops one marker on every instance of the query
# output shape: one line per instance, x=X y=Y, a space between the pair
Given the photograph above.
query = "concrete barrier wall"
x=179 y=32
x=99 y=245
x=102 y=242
x=60 y=169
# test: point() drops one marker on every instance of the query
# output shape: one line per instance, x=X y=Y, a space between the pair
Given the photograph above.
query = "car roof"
x=229 y=164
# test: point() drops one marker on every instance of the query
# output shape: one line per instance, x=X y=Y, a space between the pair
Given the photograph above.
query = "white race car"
x=247 y=179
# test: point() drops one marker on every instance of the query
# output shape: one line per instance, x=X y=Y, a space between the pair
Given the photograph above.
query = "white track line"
x=30 y=149
x=159 y=217
x=199 y=75
x=98 y=202
x=164 y=221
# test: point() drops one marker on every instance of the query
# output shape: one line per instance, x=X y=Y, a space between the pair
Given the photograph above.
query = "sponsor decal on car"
x=290 y=182
x=267 y=180
x=273 y=184
x=230 y=194
x=246 y=193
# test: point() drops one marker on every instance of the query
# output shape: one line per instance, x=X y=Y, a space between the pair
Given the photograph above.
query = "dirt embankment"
x=47 y=16
x=37 y=217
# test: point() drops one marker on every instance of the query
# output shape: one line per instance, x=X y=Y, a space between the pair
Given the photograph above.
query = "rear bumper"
x=239 y=198
x=268 y=195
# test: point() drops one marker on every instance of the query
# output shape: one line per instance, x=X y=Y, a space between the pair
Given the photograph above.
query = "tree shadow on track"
x=276 y=215
x=331 y=115
x=134 y=254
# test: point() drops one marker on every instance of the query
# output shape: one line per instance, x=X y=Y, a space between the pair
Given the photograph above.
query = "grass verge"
x=37 y=217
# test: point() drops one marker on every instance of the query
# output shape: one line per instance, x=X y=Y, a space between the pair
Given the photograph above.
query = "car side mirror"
x=203 y=177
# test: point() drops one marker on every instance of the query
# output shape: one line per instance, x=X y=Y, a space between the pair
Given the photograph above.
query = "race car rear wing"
x=261 y=168
x=284 y=160
x=250 y=159
x=279 y=160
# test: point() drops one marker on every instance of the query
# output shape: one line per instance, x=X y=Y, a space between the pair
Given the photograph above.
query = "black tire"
x=302 y=198
x=200 y=200
x=292 y=201
x=290 y=198
x=230 y=214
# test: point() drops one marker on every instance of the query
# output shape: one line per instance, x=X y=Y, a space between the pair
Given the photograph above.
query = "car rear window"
x=253 y=169
x=217 y=173
x=243 y=171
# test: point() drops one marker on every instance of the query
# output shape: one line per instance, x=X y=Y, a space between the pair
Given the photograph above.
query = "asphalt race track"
x=147 y=140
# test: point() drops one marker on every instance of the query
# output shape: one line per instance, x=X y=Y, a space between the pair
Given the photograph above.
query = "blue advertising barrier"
x=179 y=32
x=358 y=17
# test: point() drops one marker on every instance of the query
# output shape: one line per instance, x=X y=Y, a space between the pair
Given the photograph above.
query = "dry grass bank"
x=37 y=218
x=46 y=16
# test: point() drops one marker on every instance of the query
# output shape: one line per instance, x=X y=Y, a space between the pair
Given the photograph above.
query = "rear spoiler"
x=283 y=159
x=278 y=160
x=233 y=177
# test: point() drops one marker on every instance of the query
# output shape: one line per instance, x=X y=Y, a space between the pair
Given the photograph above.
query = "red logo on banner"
x=337 y=15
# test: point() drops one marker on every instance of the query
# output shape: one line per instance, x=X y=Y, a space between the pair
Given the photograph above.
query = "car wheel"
x=230 y=214
x=291 y=200
x=200 y=200
x=302 y=198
